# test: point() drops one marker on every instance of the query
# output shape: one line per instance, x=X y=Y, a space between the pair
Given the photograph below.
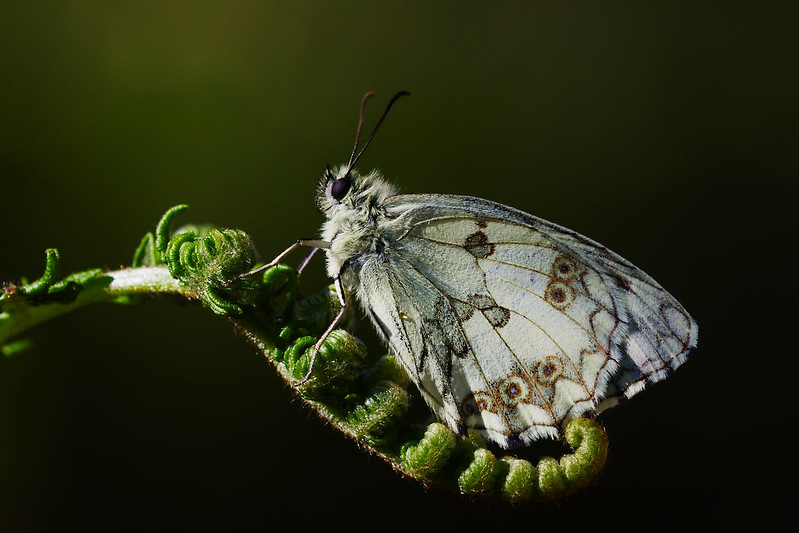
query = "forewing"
x=512 y=325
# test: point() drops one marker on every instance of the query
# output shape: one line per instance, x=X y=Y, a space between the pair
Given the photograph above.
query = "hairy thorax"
x=355 y=226
x=350 y=241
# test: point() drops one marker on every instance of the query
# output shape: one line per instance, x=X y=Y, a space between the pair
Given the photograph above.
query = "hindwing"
x=512 y=325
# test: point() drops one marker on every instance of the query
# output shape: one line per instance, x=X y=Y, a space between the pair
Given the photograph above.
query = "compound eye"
x=340 y=188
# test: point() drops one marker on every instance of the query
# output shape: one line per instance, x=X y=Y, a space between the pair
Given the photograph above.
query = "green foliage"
x=424 y=459
x=51 y=268
x=365 y=398
x=203 y=258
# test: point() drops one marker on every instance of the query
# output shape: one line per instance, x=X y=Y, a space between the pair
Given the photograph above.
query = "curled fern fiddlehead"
x=366 y=399
x=204 y=259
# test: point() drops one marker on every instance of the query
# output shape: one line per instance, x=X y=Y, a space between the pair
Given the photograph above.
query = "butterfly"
x=508 y=324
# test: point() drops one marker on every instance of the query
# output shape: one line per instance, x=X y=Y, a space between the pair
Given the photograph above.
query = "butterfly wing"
x=512 y=325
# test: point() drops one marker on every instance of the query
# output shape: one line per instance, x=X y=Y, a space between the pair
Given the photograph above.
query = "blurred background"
x=665 y=130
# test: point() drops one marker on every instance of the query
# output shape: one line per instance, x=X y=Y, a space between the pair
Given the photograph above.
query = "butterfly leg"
x=315 y=244
x=342 y=298
x=306 y=260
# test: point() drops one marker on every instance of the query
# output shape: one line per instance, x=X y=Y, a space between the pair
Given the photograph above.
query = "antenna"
x=353 y=157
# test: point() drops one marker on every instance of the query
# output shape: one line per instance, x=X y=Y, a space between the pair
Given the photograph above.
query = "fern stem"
x=19 y=315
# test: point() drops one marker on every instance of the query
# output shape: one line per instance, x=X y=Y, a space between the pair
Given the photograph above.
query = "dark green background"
x=665 y=130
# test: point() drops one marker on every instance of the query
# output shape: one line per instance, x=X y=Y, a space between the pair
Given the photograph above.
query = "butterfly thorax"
x=353 y=222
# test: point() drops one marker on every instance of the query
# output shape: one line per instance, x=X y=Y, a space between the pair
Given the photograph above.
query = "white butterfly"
x=508 y=324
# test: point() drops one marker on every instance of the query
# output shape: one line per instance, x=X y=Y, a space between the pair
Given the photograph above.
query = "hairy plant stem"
x=114 y=286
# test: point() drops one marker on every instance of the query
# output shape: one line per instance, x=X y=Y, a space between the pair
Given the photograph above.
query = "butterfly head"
x=345 y=189
x=335 y=188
